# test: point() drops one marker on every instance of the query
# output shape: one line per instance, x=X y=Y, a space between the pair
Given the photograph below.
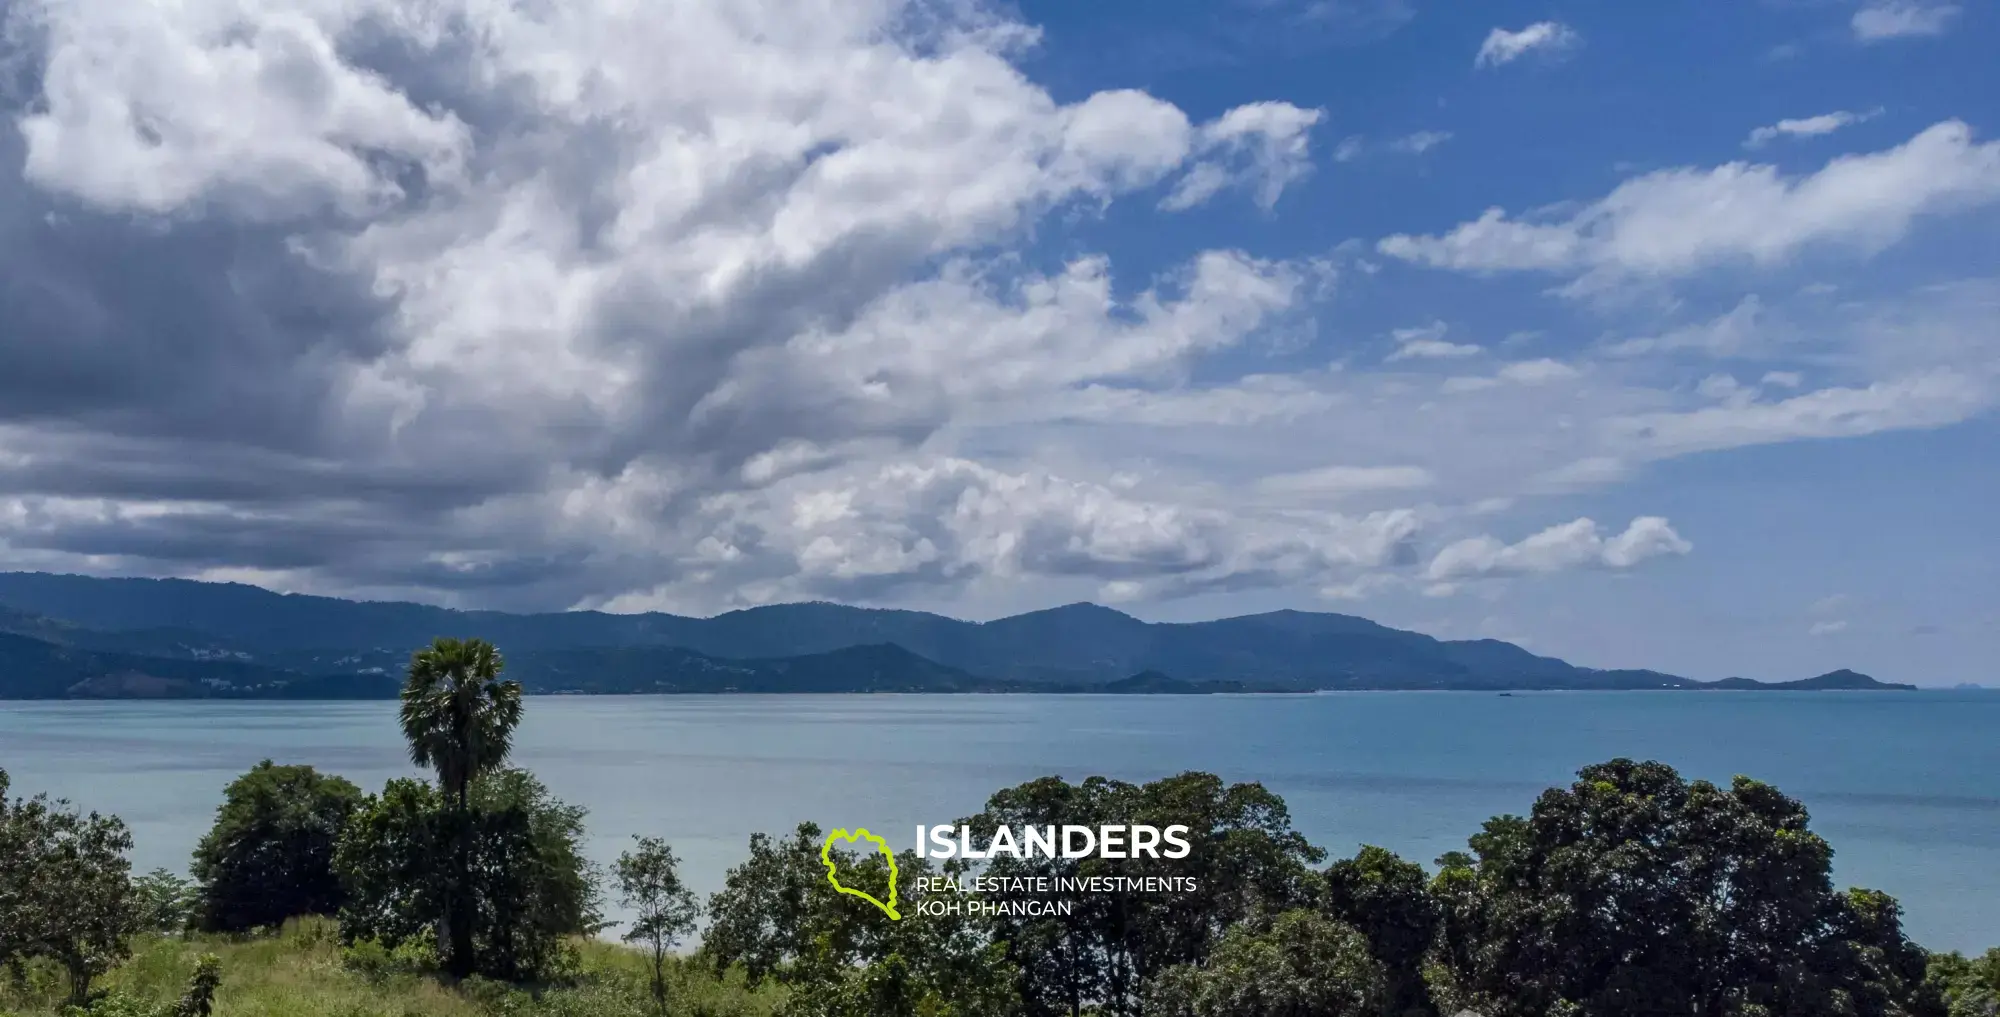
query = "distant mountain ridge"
x=91 y=628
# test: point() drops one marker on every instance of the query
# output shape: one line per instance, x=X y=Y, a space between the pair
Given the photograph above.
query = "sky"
x=1644 y=335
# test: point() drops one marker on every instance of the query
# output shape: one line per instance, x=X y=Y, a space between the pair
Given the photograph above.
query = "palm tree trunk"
x=459 y=905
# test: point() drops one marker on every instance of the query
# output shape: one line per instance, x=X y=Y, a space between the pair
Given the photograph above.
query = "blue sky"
x=1645 y=335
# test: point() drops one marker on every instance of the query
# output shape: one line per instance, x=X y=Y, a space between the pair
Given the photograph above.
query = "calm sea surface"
x=1907 y=787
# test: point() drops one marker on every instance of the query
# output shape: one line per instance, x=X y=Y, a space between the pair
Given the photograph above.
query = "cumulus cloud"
x=1679 y=221
x=1575 y=544
x=861 y=533
x=1504 y=47
x=544 y=305
x=1261 y=148
x=1826 y=628
x=1880 y=20
x=1805 y=127
x=463 y=298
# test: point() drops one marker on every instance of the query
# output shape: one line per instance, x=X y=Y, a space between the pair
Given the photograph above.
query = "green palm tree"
x=458 y=714
x=459 y=717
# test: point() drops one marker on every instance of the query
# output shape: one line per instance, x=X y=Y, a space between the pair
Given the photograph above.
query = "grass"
x=302 y=972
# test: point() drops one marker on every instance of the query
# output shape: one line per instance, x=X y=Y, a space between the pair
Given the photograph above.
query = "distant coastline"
x=81 y=637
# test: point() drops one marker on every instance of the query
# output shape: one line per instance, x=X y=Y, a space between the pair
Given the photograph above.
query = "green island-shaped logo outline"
x=826 y=859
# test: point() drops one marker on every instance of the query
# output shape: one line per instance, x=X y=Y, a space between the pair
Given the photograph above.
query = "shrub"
x=269 y=856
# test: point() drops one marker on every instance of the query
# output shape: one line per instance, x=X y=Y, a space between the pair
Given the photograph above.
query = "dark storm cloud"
x=211 y=332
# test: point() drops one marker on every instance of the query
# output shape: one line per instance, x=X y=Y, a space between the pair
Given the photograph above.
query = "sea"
x=1906 y=786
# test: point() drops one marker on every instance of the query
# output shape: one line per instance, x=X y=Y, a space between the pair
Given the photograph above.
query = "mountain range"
x=67 y=635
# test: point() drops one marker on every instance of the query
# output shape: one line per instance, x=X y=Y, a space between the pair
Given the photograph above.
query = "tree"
x=1300 y=965
x=390 y=867
x=1970 y=987
x=1636 y=891
x=526 y=871
x=533 y=886
x=1388 y=901
x=164 y=903
x=1245 y=860
x=65 y=888
x=778 y=918
x=649 y=882
x=269 y=856
x=459 y=716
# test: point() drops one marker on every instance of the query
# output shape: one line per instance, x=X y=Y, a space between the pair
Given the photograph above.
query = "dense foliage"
x=1245 y=860
x=1301 y=964
x=1637 y=891
x=526 y=877
x=1969 y=986
x=269 y=856
x=65 y=888
x=778 y=918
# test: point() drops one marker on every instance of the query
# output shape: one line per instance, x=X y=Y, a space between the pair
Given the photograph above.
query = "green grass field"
x=302 y=972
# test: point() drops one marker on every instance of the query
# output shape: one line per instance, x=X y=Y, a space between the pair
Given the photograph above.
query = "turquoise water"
x=1906 y=786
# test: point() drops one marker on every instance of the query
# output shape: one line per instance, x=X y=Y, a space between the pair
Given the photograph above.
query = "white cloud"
x=1354 y=146
x=1925 y=400
x=1428 y=343
x=1431 y=349
x=1675 y=222
x=1419 y=142
x=1826 y=628
x=1743 y=329
x=537 y=305
x=1341 y=481
x=857 y=533
x=1261 y=147
x=1806 y=127
x=1505 y=47
x=1575 y=544
x=1879 y=20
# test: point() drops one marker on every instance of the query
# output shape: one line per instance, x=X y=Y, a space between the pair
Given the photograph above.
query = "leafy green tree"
x=1970 y=987
x=65 y=888
x=1302 y=964
x=390 y=863
x=1389 y=901
x=458 y=716
x=1245 y=861
x=649 y=883
x=164 y=902
x=534 y=887
x=269 y=856
x=778 y=918
x=526 y=871
x=1634 y=891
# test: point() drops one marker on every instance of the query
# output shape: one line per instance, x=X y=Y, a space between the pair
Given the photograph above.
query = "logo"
x=833 y=876
x=1056 y=842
